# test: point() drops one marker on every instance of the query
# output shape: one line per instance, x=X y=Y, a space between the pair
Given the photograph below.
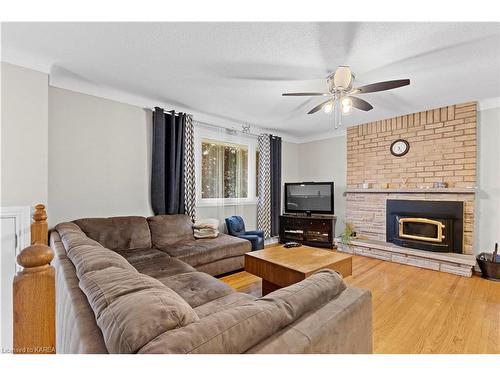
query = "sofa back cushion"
x=169 y=229
x=86 y=254
x=118 y=233
x=132 y=309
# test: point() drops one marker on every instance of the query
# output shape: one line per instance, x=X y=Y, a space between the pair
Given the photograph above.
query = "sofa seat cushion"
x=197 y=288
x=134 y=256
x=169 y=229
x=237 y=329
x=222 y=266
x=223 y=303
x=132 y=309
x=155 y=263
x=118 y=233
x=86 y=254
x=203 y=251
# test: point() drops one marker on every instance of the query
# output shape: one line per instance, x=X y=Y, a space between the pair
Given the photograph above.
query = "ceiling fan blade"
x=382 y=86
x=319 y=107
x=360 y=104
x=305 y=94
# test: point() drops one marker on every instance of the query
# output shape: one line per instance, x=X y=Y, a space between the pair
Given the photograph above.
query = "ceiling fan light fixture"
x=346 y=106
x=340 y=85
x=328 y=107
x=342 y=78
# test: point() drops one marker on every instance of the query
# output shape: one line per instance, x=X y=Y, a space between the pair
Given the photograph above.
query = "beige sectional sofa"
x=133 y=285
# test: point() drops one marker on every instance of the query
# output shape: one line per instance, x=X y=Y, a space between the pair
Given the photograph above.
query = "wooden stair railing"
x=34 y=293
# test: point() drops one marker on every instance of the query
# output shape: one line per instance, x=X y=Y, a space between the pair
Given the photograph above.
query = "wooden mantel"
x=412 y=190
x=34 y=293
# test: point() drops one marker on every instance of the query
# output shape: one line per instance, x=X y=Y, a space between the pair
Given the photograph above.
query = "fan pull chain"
x=337 y=114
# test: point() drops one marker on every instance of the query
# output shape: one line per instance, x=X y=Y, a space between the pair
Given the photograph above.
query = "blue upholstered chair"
x=236 y=227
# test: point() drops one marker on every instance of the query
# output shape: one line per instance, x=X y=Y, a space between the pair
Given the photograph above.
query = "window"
x=224 y=170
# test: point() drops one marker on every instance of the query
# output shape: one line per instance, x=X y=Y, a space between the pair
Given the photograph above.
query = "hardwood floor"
x=417 y=310
x=244 y=282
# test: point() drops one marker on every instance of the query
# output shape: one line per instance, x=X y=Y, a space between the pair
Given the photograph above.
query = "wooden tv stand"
x=318 y=231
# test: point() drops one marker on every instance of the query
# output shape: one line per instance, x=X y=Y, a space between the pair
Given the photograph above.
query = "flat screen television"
x=309 y=197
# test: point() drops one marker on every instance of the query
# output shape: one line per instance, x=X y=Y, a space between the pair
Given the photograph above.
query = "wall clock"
x=400 y=147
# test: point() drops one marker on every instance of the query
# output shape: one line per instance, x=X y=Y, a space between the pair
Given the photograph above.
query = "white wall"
x=289 y=162
x=99 y=157
x=326 y=160
x=289 y=167
x=487 y=223
x=24 y=159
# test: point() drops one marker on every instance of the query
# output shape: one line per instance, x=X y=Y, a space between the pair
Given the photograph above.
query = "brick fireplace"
x=442 y=150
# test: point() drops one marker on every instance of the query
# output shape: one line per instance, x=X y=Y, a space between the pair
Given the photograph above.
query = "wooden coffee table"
x=279 y=267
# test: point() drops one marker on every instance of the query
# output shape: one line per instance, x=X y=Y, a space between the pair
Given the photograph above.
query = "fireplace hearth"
x=426 y=225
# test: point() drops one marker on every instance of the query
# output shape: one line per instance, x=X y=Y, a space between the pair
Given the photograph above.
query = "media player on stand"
x=292 y=244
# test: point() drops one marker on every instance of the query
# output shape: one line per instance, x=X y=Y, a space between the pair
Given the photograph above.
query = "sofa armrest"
x=342 y=326
x=254 y=240
x=249 y=237
x=259 y=233
x=237 y=329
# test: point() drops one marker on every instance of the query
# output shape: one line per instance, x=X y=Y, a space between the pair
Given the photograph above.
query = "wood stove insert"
x=425 y=225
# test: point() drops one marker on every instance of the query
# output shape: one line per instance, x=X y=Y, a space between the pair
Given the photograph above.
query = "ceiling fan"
x=341 y=91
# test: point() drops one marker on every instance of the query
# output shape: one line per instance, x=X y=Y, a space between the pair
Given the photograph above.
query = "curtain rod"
x=230 y=130
x=175 y=113
x=214 y=126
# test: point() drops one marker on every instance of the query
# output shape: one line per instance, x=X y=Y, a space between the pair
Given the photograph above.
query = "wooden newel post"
x=40 y=227
x=34 y=293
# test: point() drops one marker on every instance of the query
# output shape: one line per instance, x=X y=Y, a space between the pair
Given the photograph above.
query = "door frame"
x=22 y=225
x=22 y=218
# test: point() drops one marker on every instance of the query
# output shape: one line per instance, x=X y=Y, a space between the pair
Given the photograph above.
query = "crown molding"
x=483 y=105
x=489 y=103
x=24 y=60
x=325 y=135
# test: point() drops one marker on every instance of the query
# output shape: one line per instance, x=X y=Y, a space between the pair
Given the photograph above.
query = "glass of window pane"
x=209 y=170
x=224 y=170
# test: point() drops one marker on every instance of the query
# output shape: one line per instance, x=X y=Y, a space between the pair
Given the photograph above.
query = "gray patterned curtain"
x=264 y=203
x=189 y=174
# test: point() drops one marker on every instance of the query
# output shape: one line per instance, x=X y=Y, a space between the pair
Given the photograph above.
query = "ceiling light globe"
x=342 y=78
x=328 y=107
x=346 y=106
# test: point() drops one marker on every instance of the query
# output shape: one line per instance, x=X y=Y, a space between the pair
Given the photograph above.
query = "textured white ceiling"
x=239 y=70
